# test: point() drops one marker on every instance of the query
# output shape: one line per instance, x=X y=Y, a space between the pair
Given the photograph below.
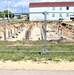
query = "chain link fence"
x=37 y=36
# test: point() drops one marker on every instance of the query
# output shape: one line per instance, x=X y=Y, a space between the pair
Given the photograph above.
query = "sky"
x=22 y=6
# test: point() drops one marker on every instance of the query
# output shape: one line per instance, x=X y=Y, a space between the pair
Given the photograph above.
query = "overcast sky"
x=19 y=6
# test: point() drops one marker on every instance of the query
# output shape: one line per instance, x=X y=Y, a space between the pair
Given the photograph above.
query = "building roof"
x=41 y=4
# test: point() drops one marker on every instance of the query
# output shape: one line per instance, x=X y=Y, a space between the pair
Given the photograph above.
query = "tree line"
x=5 y=12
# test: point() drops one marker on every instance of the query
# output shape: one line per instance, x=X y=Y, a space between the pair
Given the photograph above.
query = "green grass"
x=13 y=21
x=36 y=56
x=36 y=46
x=17 y=20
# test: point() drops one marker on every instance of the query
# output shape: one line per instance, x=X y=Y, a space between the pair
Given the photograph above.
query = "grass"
x=37 y=57
x=36 y=46
x=12 y=21
x=17 y=20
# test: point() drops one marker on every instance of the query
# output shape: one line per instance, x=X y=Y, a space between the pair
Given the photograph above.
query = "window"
x=53 y=8
x=60 y=15
x=48 y=7
x=60 y=8
x=53 y=15
x=67 y=15
x=67 y=8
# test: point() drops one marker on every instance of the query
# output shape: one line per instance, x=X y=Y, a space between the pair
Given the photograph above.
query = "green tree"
x=11 y=15
x=1 y=14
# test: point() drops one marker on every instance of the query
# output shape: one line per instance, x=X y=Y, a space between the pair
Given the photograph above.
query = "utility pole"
x=23 y=8
x=8 y=8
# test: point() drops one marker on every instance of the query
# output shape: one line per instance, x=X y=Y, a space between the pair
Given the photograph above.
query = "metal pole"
x=8 y=9
x=23 y=8
x=4 y=28
x=45 y=23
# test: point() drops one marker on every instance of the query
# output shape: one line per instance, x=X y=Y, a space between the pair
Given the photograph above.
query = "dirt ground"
x=31 y=65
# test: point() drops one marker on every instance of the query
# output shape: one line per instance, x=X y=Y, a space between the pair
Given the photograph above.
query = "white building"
x=55 y=10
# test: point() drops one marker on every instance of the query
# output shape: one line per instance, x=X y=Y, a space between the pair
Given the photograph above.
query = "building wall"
x=54 y=12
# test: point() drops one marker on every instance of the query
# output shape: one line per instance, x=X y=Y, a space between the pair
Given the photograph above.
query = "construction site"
x=35 y=31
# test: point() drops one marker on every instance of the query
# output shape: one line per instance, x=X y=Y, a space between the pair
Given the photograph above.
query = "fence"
x=44 y=30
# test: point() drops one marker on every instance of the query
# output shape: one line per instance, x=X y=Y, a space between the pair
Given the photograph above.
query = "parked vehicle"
x=72 y=17
x=61 y=19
